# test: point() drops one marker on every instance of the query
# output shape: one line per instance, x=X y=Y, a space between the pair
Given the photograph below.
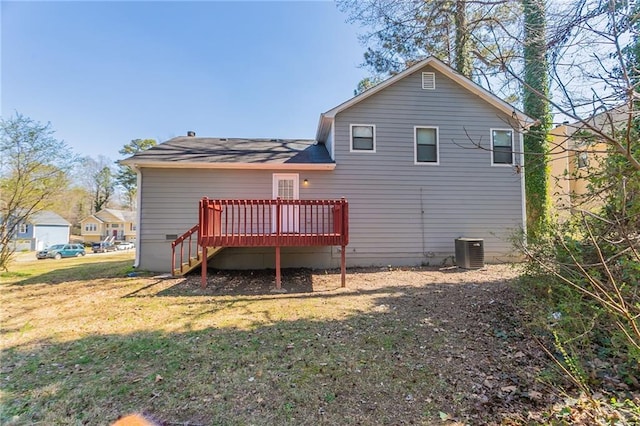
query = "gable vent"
x=429 y=80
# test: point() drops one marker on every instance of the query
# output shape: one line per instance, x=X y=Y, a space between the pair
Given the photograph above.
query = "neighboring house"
x=572 y=160
x=43 y=229
x=575 y=153
x=423 y=158
x=109 y=223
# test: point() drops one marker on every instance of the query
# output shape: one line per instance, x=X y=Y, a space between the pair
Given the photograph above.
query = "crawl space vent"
x=429 y=80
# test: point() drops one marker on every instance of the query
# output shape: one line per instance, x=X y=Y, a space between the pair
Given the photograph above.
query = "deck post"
x=343 y=267
x=203 y=278
x=173 y=260
x=278 y=276
x=345 y=240
x=278 y=231
x=203 y=228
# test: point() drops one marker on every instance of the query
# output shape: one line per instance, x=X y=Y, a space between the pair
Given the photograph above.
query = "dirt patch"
x=396 y=346
x=463 y=324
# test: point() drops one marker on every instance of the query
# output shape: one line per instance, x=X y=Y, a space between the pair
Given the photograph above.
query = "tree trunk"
x=536 y=91
x=463 y=62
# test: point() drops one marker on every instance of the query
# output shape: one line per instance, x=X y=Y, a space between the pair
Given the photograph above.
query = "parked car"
x=124 y=245
x=102 y=247
x=58 y=251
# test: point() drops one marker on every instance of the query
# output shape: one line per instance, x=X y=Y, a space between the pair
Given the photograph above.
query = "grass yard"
x=84 y=343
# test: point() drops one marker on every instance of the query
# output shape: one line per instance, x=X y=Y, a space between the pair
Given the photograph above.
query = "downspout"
x=523 y=191
x=138 y=216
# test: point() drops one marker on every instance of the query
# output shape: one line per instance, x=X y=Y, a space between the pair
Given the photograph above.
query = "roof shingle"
x=187 y=149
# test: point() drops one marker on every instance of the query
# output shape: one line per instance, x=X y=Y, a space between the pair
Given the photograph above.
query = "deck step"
x=195 y=262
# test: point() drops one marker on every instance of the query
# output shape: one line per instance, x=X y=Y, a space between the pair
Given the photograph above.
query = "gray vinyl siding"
x=170 y=206
x=400 y=213
x=410 y=213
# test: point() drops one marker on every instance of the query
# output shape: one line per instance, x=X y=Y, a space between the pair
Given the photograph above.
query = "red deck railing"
x=273 y=223
x=185 y=250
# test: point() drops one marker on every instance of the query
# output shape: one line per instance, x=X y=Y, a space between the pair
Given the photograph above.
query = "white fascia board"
x=525 y=121
x=324 y=125
x=233 y=166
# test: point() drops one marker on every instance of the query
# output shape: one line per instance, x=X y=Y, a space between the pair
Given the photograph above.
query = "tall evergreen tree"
x=401 y=32
x=126 y=178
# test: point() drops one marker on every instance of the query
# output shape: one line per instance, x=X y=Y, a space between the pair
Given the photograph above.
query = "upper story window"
x=23 y=228
x=90 y=227
x=115 y=225
x=502 y=146
x=426 y=145
x=363 y=137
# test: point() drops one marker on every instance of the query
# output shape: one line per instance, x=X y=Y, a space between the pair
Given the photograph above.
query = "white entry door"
x=286 y=187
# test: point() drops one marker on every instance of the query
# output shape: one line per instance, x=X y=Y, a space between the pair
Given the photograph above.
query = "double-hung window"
x=501 y=146
x=363 y=138
x=426 y=145
x=23 y=229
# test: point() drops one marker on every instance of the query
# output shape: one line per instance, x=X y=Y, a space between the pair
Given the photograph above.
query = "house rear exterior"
x=423 y=158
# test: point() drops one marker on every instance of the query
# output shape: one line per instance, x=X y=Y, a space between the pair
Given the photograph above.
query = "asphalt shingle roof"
x=46 y=217
x=189 y=149
x=121 y=215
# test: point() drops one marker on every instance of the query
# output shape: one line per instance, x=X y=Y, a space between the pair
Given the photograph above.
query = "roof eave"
x=324 y=126
x=231 y=166
x=524 y=120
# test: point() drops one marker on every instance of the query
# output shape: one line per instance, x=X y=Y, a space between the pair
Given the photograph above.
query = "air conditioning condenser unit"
x=469 y=253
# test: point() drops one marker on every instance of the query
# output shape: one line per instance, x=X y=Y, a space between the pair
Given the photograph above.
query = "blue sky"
x=104 y=73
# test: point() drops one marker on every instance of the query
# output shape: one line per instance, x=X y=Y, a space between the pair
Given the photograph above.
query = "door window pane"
x=285 y=189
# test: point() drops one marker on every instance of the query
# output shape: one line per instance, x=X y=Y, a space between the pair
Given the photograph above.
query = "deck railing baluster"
x=266 y=223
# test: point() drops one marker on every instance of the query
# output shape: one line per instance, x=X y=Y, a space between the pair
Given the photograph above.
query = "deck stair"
x=261 y=223
x=195 y=261
x=187 y=254
x=273 y=223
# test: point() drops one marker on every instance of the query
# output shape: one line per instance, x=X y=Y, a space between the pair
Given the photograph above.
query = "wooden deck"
x=265 y=223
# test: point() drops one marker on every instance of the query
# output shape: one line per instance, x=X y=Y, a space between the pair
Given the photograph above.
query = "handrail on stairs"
x=180 y=241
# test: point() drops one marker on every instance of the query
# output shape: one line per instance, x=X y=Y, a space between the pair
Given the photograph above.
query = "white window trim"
x=513 y=147
x=23 y=228
x=367 y=151
x=429 y=77
x=415 y=146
